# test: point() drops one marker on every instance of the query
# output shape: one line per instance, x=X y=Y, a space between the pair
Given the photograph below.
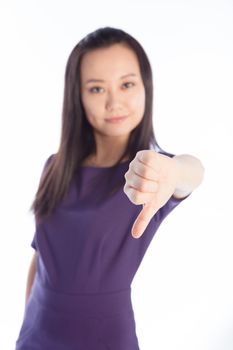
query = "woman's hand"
x=151 y=180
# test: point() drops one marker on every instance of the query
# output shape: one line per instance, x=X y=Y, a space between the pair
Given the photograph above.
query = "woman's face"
x=112 y=86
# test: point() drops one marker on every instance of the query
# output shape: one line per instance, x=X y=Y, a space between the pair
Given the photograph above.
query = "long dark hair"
x=77 y=139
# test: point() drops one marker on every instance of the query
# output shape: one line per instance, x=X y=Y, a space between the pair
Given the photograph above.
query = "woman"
x=108 y=184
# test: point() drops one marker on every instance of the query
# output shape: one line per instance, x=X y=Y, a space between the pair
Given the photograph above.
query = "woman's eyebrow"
x=102 y=81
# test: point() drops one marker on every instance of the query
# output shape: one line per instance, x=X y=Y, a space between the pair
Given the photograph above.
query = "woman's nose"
x=113 y=100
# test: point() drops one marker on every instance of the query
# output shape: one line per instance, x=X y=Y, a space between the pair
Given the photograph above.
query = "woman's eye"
x=129 y=83
x=95 y=88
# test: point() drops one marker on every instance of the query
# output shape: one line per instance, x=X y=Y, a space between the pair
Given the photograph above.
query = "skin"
x=31 y=276
x=112 y=97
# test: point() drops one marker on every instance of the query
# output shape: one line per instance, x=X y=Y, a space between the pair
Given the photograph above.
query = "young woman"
x=100 y=201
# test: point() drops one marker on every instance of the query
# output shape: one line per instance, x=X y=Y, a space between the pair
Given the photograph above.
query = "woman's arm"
x=153 y=178
x=31 y=275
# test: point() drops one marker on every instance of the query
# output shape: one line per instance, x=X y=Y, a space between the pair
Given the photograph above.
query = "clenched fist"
x=151 y=180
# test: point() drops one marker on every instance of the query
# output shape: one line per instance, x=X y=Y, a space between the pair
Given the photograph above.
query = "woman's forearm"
x=190 y=174
x=31 y=276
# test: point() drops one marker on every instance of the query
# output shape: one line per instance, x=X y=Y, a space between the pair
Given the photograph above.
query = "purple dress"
x=87 y=259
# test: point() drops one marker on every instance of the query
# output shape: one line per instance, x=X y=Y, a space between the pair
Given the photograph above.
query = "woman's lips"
x=116 y=119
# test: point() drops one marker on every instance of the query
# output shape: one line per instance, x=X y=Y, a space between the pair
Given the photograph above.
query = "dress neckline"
x=89 y=167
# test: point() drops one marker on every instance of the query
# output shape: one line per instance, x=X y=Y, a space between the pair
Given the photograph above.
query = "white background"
x=183 y=291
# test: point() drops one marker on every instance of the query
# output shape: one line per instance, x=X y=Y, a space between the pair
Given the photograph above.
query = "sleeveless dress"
x=87 y=259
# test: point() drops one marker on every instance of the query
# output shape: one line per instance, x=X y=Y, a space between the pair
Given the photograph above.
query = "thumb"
x=143 y=219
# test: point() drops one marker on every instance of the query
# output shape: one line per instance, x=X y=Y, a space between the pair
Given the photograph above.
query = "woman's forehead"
x=116 y=60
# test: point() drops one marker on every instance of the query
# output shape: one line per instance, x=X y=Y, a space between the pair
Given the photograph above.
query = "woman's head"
x=107 y=53
x=111 y=86
x=85 y=62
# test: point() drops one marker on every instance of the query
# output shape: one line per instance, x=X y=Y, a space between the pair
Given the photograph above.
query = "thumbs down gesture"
x=150 y=180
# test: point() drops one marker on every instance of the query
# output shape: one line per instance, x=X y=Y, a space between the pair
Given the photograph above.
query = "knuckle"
x=130 y=165
x=136 y=197
x=125 y=189
x=132 y=196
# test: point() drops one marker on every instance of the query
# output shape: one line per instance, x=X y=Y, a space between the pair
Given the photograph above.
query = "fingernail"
x=136 y=235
